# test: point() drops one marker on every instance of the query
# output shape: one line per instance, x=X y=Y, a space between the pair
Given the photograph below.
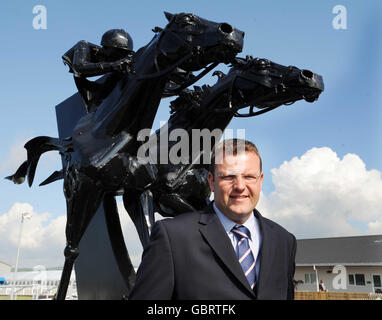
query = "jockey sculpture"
x=86 y=59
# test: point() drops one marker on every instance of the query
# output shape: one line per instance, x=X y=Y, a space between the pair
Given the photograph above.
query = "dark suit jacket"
x=190 y=257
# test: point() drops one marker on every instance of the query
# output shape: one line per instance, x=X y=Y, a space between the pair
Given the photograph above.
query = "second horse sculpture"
x=182 y=186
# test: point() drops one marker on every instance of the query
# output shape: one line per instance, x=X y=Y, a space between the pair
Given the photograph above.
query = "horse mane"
x=189 y=100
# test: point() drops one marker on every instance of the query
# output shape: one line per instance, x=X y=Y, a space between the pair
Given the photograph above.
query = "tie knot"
x=241 y=232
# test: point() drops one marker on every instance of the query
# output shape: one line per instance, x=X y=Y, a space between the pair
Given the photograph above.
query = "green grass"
x=18 y=297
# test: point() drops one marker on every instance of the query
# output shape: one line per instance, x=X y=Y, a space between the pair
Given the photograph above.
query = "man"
x=86 y=59
x=227 y=251
x=322 y=286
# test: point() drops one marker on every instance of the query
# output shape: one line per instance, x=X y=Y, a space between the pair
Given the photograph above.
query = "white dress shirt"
x=253 y=226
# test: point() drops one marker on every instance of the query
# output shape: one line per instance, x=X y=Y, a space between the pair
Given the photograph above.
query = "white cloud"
x=375 y=227
x=16 y=156
x=42 y=241
x=43 y=237
x=321 y=195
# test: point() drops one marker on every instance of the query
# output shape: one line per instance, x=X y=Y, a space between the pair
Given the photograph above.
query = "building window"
x=377 y=281
x=360 y=279
x=357 y=279
x=310 y=278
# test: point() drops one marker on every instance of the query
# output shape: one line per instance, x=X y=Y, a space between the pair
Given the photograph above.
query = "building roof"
x=360 y=250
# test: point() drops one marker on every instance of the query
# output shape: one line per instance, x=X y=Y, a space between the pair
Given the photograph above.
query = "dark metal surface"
x=97 y=268
x=100 y=154
x=254 y=83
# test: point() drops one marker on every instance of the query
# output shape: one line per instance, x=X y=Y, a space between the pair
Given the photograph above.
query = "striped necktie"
x=244 y=253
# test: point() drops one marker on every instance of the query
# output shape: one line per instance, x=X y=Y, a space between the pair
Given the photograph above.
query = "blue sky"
x=342 y=129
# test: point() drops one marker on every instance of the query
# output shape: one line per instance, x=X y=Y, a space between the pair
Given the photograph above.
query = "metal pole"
x=26 y=215
x=315 y=269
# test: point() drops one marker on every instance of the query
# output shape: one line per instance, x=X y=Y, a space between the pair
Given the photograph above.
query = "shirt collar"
x=228 y=224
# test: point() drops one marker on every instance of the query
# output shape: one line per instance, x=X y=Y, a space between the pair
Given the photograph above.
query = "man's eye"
x=228 y=178
x=250 y=177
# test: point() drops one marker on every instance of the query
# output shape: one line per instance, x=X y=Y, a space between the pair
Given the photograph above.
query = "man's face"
x=237 y=185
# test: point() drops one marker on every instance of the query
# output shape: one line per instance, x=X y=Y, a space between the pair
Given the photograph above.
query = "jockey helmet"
x=117 y=38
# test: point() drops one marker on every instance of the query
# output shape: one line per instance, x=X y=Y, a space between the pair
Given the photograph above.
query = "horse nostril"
x=225 y=28
x=307 y=74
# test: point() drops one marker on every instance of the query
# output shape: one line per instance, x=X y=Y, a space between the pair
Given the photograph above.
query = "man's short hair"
x=232 y=147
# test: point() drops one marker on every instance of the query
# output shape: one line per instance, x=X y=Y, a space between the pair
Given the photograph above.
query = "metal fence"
x=36 y=291
x=322 y=295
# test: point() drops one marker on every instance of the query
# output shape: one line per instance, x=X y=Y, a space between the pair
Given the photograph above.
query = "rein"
x=193 y=80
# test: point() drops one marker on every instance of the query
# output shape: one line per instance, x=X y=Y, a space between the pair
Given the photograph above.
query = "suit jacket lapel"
x=266 y=254
x=215 y=235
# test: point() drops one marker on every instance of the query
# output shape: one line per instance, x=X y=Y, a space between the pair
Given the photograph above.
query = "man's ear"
x=210 y=178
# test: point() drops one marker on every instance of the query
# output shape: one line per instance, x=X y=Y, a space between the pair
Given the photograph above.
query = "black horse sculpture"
x=99 y=156
x=183 y=187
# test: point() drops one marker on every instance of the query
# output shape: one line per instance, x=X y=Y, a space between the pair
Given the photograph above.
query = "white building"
x=4 y=268
x=38 y=283
x=321 y=259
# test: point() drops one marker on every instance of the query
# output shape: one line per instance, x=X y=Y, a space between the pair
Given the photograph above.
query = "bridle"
x=191 y=52
x=259 y=78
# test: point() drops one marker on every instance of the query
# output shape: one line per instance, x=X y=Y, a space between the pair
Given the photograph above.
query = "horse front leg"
x=137 y=198
x=83 y=197
x=139 y=206
x=70 y=256
x=147 y=207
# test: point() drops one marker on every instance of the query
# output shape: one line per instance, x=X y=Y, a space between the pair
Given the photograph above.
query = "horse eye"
x=187 y=19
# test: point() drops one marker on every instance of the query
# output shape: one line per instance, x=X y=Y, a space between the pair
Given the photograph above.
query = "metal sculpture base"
x=96 y=269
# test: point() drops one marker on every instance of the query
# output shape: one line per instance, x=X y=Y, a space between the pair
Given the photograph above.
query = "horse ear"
x=168 y=16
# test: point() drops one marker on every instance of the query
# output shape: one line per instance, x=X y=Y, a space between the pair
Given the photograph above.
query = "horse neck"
x=149 y=58
x=209 y=115
x=197 y=125
x=133 y=103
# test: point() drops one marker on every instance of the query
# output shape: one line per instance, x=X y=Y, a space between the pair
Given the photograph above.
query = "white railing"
x=38 y=292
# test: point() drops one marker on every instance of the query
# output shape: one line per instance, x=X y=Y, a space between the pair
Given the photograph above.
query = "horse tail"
x=35 y=148
x=117 y=241
x=19 y=176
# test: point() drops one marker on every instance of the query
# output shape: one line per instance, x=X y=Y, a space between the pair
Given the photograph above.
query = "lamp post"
x=24 y=215
x=315 y=269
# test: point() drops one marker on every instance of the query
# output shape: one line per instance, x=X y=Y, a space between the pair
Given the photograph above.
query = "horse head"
x=187 y=43
x=263 y=84
x=198 y=41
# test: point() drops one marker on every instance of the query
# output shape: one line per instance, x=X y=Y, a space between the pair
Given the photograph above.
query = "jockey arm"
x=86 y=65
